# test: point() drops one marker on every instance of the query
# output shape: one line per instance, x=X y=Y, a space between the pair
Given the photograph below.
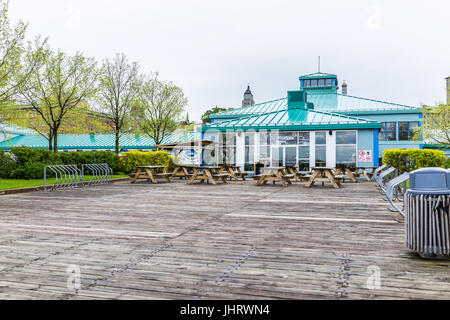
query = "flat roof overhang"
x=302 y=127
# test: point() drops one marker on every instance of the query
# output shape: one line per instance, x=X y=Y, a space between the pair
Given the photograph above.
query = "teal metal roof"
x=97 y=141
x=294 y=119
x=328 y=102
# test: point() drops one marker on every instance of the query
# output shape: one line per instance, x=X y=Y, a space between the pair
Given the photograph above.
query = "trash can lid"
x=429 y=181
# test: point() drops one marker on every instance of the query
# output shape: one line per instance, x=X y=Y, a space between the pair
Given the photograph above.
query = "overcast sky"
x=394 y=50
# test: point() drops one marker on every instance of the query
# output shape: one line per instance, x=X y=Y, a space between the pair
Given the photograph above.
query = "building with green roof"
x=95 y=142
x=314 y=126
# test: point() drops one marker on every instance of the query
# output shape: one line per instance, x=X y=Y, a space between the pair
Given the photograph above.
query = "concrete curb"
x=33 y=189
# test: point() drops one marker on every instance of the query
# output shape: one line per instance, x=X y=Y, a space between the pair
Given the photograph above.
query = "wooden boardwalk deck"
x=239 y=241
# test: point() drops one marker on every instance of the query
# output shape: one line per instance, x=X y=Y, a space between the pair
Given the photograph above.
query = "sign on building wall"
x=365 y=156
x=188 y=155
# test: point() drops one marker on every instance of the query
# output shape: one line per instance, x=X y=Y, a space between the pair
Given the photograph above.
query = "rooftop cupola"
x=319 y=82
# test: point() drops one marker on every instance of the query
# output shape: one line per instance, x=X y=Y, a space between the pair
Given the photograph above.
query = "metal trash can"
x=427 y=206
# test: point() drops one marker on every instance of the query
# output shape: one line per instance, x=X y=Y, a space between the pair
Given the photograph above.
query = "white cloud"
x=374 y=20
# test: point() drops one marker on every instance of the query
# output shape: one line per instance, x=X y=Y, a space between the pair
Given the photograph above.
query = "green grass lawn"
x=7 y=184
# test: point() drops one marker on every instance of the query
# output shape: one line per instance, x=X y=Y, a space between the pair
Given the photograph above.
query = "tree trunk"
x=50 y=141
x=117 y=142
x=55 y=142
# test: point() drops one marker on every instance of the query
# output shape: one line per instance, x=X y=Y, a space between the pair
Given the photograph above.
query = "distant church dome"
x=248 y=98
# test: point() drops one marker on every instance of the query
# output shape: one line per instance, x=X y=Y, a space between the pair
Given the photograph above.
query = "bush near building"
x=406 y=160
x=28 y=163
x=130 y=160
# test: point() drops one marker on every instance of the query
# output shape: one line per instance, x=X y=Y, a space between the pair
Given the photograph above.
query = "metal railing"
x=69 y=176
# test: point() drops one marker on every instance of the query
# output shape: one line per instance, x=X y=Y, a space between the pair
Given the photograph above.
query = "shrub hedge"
x=130 y=160
x=28 y=163
x=406 y=160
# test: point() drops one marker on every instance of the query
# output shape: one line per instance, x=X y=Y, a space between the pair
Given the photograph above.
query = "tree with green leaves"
x=206 y=116
x=436 y=124
x=56 y=87
x=118 y=92
x=159 y=109
x=12 y=49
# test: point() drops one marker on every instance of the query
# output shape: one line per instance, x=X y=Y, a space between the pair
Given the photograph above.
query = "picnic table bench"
x=274 y=174
x=183 y=171
x=210 y=174
x=367 y=174
x=234 y=171
x=347 y=172
x=148 y=173
x=324 y=174
x=297 y=176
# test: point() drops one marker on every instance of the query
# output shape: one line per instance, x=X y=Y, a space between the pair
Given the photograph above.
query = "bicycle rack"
x=392 y=191
x=377 y=171
x=69 y=176
x=101 y=173
x=385 y=176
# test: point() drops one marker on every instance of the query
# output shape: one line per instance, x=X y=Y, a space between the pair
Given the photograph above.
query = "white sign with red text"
x=365 y=156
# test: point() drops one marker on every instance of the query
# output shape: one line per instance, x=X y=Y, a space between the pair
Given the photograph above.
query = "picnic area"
x=235 y=240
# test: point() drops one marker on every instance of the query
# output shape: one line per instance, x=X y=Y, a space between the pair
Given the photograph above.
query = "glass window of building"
x=264 y=145
x=388 y=131
x=303 y=158
x=328 y=82
x=227 y=148
x=303 y=151
x=413 y=126
x=321 y=82
x=249 y=151
x=306 y=83
x=303 y=138
x=313 y=83
x=290 y=156
x=406 y=130
x=321 y=149
x=277 y=156
x=287 y=138
x=346 y=148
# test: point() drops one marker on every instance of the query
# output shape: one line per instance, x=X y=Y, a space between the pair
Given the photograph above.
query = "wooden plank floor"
x=175 y=241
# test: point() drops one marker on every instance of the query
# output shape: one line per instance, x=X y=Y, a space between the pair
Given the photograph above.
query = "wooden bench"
x=162 y=175
x=145 y=173
x=223 y=176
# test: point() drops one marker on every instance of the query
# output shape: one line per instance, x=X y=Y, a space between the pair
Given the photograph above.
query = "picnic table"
x=365 y=173
x=294 y=171
x=150 y=173
x=234 y=171
x=350 y=172
x=208 y=173
x=274 y=174
x=324 y=174
x=182 y=171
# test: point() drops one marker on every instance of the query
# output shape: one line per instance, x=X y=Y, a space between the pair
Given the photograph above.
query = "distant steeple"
x=248 y=98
